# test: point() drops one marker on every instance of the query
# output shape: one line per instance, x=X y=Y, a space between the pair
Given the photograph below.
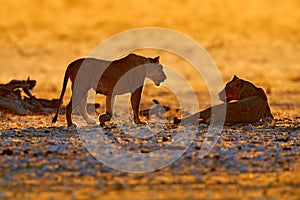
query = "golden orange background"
x=257 y=40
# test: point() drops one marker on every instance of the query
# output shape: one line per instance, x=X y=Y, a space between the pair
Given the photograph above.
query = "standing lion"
x=109 y=78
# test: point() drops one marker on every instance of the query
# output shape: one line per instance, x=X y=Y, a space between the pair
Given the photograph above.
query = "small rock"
x=244 y=169
x=267 y=127
x=267 y=119
x=113 y=126
x=44 y=169
x=30 y=129
x=194 y=171
x=8 y=133
x=8 y=152
x=105 y=169
x=260 y=148
x=287 y=148
x=53 y=148
x=99 y=184
x=145 y=150
x=248 y=127
x=188 y=156
x=243 y=137
x=203 y=125
x=3 y=196
x=46 y=131
x=57 y=132
x=255 y=142
x=199 y=179
x=165 y=139
x=7 y=176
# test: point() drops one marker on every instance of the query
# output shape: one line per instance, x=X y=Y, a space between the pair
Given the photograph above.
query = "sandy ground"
x=256 y=40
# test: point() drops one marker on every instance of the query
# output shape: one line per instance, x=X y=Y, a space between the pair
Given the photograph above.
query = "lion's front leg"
x=135 y=104
x=268 y=112
x=193 y=119
x=109 y=110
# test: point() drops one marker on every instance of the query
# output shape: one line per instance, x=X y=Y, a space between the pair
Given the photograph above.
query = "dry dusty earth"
x=257 y=40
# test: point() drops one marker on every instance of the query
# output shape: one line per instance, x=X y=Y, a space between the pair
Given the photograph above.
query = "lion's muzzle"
x=158 y=82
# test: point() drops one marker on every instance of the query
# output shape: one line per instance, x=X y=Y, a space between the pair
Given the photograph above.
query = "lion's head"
x=154 y=71
x=237 y=89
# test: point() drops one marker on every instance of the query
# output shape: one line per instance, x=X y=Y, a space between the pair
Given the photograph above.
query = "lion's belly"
x=114 y=86
x=247 y=110
x=109 y=89
x=112 y=89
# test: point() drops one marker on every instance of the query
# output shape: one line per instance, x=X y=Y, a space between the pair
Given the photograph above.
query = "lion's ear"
x=238 y=83
x=156 y=59
x=235 y=77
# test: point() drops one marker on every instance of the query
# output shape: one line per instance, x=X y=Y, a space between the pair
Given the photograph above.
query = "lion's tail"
x=66 y=78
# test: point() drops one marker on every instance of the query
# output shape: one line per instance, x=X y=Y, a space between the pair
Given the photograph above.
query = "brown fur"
x=251 y=105
x=109 y=78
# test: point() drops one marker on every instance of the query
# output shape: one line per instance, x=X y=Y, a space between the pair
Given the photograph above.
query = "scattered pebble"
x=8 y=152
x=49 y=152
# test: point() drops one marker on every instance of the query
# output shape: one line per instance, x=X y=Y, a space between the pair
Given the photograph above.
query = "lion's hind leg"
x=69 y=113
x=78 y=99
x=83 y=112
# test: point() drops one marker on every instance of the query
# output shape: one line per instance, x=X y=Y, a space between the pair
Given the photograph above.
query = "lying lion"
x=249 y=106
